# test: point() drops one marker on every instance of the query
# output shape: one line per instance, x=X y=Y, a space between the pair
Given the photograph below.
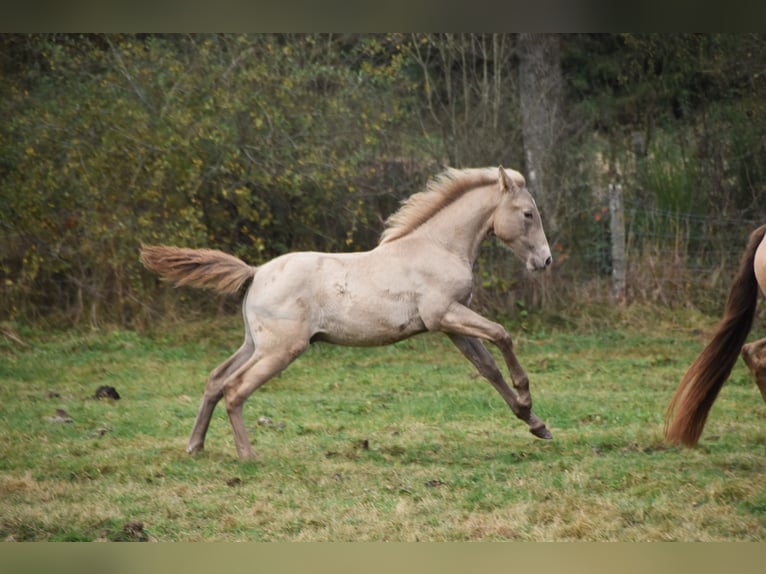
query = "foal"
x=419 y=278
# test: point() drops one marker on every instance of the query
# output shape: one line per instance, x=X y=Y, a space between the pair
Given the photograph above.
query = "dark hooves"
x=541 y=432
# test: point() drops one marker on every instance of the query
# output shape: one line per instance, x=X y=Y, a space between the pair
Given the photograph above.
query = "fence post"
x=617 y=228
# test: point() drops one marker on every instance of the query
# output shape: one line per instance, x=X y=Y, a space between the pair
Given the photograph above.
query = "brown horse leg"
x=213 y=393
x=461 y=320
x=477 y=353
x=238 y=388
x=754 y=355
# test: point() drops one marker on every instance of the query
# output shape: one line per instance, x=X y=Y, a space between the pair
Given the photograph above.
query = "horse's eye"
x=529 y=216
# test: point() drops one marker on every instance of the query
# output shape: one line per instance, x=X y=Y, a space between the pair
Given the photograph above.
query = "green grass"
x=395 y=443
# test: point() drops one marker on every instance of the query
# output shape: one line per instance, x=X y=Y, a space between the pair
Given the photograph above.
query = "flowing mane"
x=440 y=192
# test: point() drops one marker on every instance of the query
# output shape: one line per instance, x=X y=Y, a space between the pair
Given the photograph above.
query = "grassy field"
x=398 y=443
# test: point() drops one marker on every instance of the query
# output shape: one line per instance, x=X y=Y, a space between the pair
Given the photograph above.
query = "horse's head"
x=517 y=222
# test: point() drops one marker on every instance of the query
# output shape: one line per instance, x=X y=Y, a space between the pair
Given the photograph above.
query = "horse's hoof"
x=541 y=432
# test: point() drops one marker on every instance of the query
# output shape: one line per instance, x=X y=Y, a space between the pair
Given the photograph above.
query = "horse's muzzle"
x=539 y=262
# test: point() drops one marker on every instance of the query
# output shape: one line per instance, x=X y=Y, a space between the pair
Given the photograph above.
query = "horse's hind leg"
x=754 y=355
x=240 y=386
x=214 y=392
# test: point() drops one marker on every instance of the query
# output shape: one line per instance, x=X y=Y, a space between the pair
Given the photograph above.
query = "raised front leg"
x=462 y=324
x=477 y=353
x=460 y=320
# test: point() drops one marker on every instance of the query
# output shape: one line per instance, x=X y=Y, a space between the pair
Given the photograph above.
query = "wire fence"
x=669 y=258
x=682 y=258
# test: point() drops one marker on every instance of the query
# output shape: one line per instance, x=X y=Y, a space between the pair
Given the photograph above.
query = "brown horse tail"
x=206 y=268
x=688 y=409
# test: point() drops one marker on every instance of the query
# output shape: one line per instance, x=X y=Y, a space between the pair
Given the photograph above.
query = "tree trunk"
x=540 y=93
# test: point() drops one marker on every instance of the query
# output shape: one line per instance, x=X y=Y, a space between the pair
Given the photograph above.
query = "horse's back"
x=345 y=298
x=303 y=272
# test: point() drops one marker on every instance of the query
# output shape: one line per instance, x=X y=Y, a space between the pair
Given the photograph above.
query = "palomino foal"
x=419 y=278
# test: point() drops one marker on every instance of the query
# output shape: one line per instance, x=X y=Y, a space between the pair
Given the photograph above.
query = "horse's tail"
x=688 y=409
x=206 y=268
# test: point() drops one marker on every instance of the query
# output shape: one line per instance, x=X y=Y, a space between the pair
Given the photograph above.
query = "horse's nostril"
x=548 y=261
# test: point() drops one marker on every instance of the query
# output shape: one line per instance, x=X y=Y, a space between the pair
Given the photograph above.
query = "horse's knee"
x=233 y=399
x=502 y=338
x=212 y=394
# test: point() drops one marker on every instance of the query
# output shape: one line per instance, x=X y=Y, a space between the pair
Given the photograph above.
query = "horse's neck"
x=461 y=226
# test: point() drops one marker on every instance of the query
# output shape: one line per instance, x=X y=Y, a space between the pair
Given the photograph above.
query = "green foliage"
x=240 y=142
x=262 y=144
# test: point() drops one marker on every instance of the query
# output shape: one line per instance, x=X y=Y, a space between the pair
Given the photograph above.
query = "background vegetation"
x=262 y=144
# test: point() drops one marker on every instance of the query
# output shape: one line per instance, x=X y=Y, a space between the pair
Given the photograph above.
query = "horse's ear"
x=506 y=183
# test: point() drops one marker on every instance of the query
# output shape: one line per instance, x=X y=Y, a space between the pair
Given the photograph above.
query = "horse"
x=689 y=407
x=418 y=278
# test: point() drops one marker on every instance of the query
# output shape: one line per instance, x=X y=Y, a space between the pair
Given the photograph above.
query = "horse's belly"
x=347 y=299
x=370 y=326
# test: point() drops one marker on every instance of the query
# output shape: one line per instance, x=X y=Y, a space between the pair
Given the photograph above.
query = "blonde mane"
x=441 y=191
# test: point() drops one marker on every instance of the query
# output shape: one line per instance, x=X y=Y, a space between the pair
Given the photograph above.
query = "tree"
x=541 y=103
x=469 y=98
x=240 y=142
